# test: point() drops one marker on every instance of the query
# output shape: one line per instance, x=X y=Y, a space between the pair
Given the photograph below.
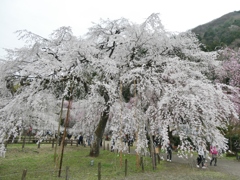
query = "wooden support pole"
x=135 y=95
x=121 y=158
x=121 y=133
x=58 y=133
x=67 y=170
x=142 y=164
x=24 y=174
x=53 y=143
x=99 y=171
x=23 y=143
x=63 y=138
x=125 y=167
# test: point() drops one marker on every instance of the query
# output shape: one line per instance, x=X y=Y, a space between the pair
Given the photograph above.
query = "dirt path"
x=224 y=165
x=178 y=170
x=185 y=169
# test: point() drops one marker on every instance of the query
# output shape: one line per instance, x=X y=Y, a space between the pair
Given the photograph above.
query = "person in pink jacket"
x=214 y=152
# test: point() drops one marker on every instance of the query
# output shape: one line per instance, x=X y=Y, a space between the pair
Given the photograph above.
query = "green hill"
x=223 y=31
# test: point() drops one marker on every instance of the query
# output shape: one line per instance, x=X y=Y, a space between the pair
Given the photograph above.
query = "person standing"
x=80 y=140
x=88 y=140
x=169 y=151
x=214 y=152
x=204 y=156
x=200 y=155
x=112 y=145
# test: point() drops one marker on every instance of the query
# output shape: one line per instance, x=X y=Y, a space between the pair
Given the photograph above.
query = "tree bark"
x=98 y=134
x=152 y=152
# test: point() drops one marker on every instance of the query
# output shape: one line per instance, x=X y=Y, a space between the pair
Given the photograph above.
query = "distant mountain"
x=223 y=31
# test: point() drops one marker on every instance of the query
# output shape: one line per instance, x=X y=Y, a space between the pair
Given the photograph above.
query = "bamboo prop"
x=58 y=133
x=63 y=139
x=65 y=132
x=121 y=123
x=135 y=95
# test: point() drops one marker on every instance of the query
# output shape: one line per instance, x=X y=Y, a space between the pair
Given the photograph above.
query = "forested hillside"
x=223 y=31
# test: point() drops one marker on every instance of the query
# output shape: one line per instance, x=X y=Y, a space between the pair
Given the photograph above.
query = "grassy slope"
x=39 y=164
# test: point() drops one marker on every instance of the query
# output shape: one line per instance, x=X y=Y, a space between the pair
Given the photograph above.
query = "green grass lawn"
x=39 y=163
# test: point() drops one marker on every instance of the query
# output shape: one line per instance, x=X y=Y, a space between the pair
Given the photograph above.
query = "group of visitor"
x=202 y=154
x=88 y=139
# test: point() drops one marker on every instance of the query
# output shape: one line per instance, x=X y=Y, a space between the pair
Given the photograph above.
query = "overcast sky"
x=44 y=16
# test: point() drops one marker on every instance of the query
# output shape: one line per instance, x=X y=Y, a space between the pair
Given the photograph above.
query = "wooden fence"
x=33 y=140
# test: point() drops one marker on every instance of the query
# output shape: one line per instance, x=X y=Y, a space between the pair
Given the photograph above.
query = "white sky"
x=44 y=16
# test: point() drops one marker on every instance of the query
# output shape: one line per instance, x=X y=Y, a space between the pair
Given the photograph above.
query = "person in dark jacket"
x=80 y=140
x=169 y=151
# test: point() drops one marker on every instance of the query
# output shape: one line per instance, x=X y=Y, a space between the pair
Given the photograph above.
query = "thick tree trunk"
x=152 y=152
x=98 y=134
